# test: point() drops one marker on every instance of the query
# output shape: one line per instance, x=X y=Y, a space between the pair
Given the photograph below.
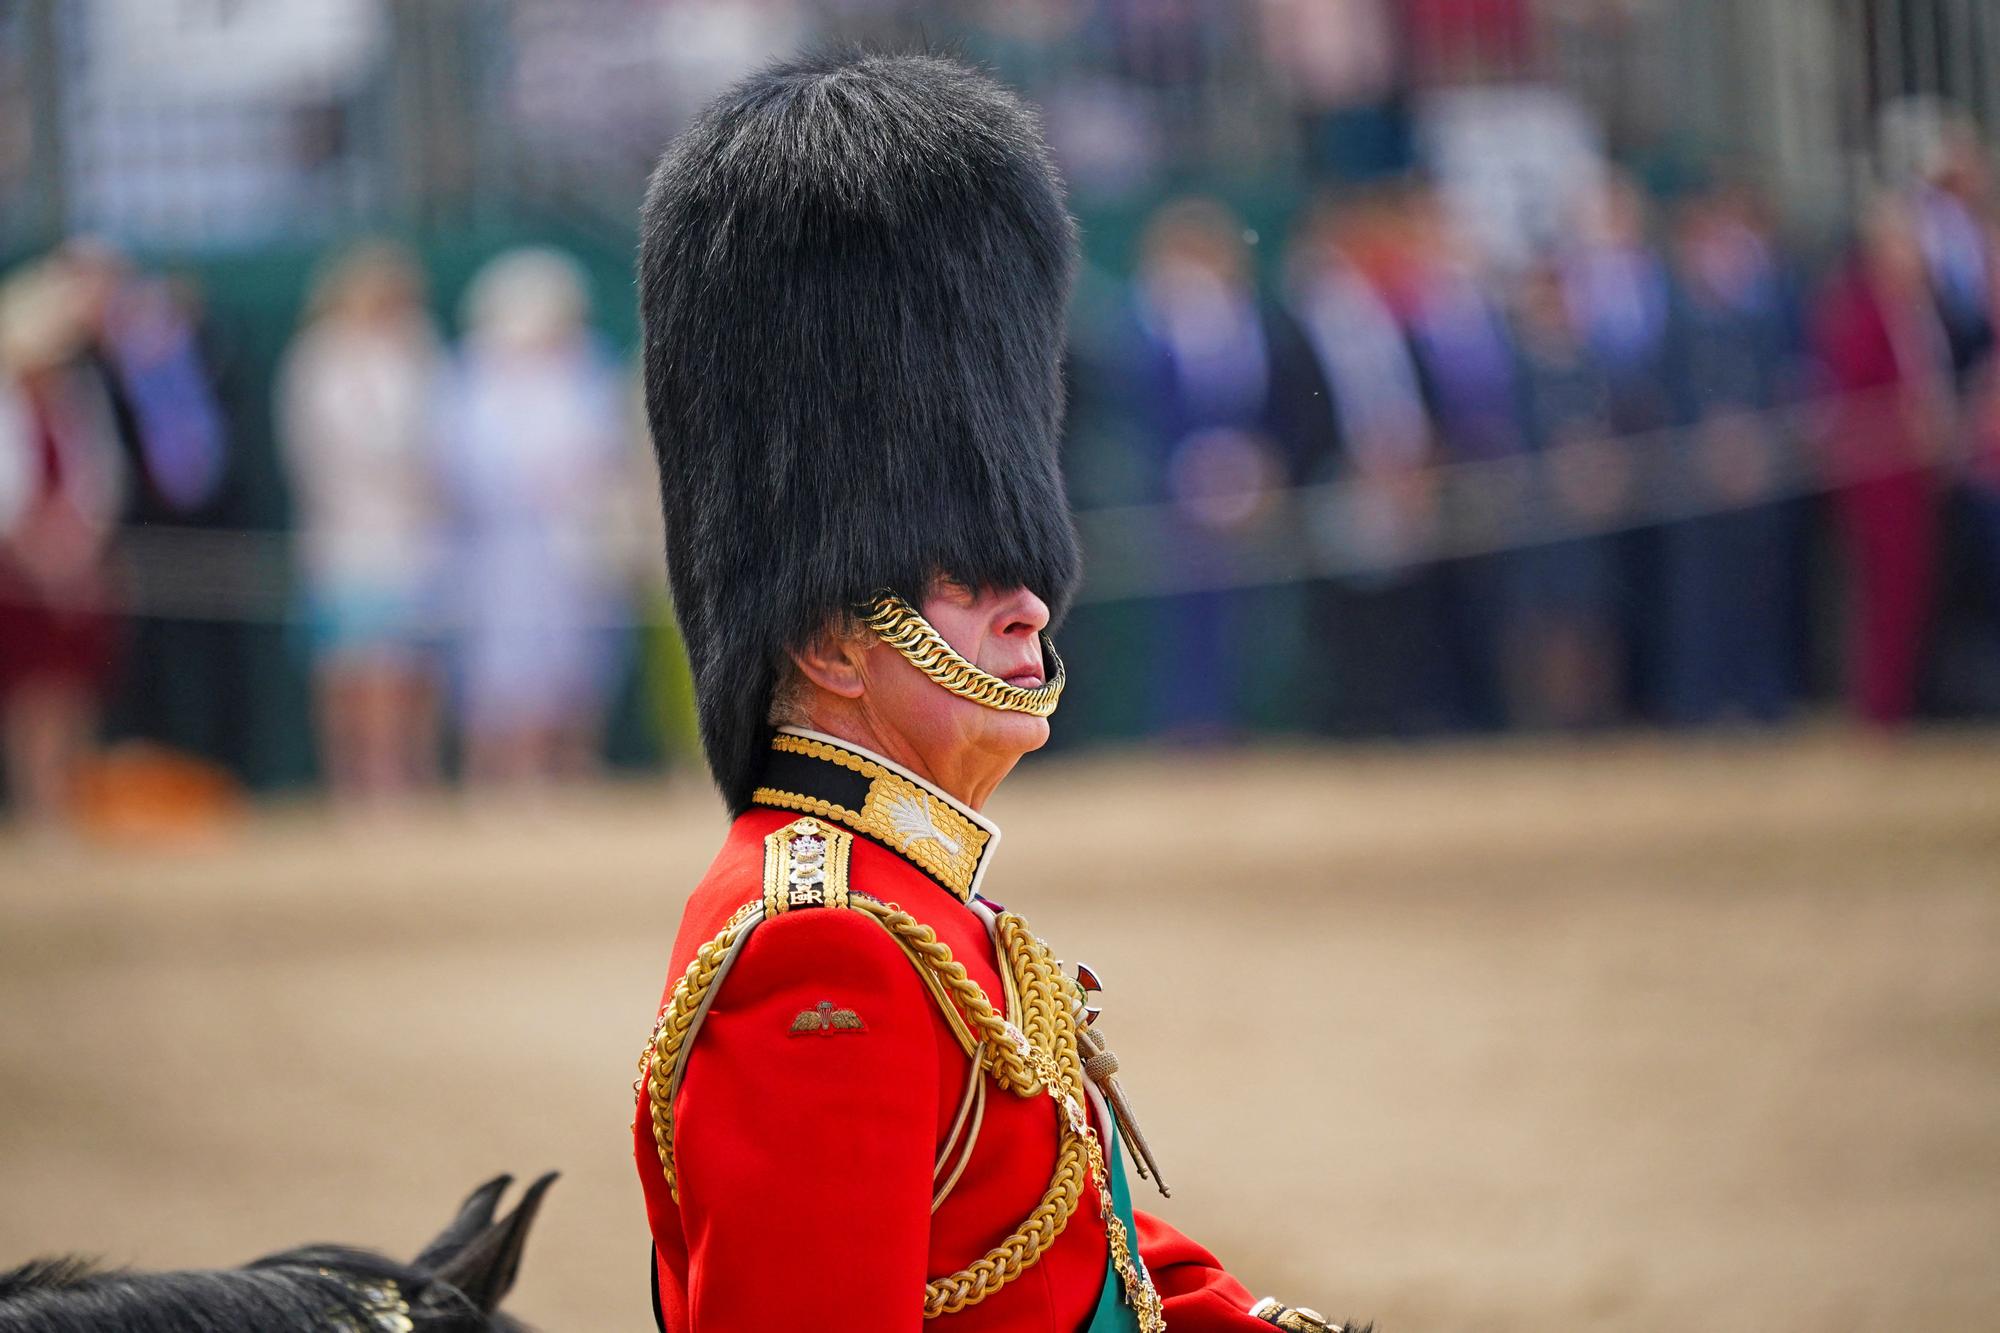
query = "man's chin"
x=1021 y=733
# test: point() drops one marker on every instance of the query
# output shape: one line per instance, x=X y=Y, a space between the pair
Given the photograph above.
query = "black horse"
x=454 y=1286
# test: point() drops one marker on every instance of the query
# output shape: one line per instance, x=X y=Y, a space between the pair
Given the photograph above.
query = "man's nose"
x=1021 y=613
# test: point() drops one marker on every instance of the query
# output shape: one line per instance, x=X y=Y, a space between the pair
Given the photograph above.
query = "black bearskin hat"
x=853 y=271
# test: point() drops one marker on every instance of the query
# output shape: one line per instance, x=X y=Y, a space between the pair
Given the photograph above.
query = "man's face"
x=998 y=631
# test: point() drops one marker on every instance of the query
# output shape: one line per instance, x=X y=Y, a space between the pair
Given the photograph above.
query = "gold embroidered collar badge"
x=815 y=774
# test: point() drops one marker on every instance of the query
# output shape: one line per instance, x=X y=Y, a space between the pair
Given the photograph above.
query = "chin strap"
x=899 y=625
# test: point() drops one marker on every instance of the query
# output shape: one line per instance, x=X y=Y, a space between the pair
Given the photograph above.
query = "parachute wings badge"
x=823 y=1020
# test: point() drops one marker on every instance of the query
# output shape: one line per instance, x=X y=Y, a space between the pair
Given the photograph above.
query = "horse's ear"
x=474 y=1216
x=484 y=1268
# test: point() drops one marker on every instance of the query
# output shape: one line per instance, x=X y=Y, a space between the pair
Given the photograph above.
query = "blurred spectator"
x=1954 y=209
x=1889 y=365
x=146 y=351
x=1951 y=210
x=1203 y=375
x=1725 y=611
x=61 y=482
x=1981 y=489
x=1465 y=353
x=141 y=346
x=535 y=429
x=354 y=409
x=1462 y=339
x=1364 y=425
x=1562 y=655
x=1446 y=292
x=1619 y=293
x=1620 y=296
x=1982 y=472
x=1968 y=675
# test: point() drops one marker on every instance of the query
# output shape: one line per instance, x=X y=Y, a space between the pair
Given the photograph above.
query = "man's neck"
x=970 y=780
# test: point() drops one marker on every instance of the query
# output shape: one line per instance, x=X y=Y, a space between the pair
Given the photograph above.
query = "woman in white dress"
x=535 y=434
x=354 y=411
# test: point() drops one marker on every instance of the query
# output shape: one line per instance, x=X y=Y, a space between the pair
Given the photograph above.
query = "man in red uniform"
x=872 y=1098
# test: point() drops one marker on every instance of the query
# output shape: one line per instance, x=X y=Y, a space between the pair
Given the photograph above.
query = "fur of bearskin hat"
x=853 y=272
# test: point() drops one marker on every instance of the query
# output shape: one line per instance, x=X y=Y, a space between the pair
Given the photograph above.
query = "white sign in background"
x=1512 y=163
x=233 y=50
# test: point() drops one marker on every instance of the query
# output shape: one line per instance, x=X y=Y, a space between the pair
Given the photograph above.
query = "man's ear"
x=832 y=661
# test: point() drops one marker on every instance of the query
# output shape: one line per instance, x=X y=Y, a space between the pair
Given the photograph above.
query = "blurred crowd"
x=1664 y=469
x=108 y=417
x=456 y=548
x=1661 y=469
x=491 y=473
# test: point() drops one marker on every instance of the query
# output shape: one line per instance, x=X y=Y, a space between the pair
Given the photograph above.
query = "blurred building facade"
x=268 y=122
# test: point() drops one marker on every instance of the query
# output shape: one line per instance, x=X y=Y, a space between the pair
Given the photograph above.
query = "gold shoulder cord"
x=805 y=865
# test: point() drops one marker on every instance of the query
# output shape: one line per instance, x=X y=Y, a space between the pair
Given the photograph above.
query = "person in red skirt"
x=59 y=498
x=871 y=1097
x=1878 y=336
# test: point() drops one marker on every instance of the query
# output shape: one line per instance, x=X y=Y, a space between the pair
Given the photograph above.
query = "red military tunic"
x=806 y=1149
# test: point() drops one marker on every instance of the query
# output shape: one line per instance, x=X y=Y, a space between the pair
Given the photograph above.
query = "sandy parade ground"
x=1620 y=1034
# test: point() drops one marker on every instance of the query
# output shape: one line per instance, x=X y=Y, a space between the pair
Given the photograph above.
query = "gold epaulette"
x=805 y=866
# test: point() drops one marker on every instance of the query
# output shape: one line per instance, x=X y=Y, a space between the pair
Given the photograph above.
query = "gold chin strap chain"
x=899 y=625
x=1294 y=1320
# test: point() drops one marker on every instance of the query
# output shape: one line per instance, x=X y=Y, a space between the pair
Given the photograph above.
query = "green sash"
x=1113 y=1315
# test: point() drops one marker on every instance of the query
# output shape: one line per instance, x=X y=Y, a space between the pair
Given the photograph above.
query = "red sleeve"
x=805 y=1160
x=1197 y=1293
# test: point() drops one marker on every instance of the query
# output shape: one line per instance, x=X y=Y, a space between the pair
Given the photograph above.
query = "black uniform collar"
x=816 y=774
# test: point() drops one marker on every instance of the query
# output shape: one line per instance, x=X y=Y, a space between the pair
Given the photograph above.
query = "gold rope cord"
x=1037 y=1056
x=901 y=627
x=658 y=1063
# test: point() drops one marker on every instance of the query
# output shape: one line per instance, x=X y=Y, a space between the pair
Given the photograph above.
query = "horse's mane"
x=323 y=1287
x=450 y=1288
